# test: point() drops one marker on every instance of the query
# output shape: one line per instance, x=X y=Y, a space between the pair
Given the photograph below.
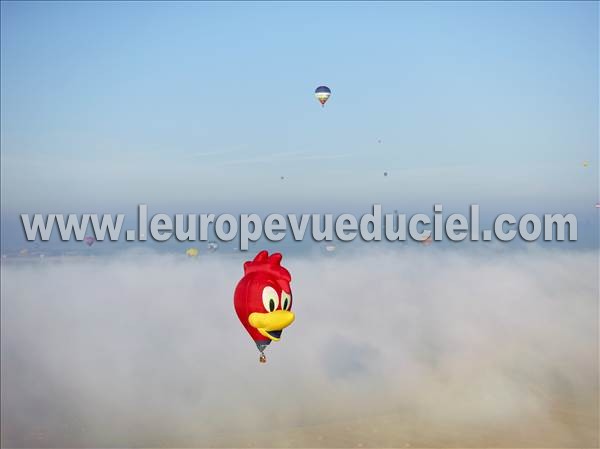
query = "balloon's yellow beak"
x=271 y=324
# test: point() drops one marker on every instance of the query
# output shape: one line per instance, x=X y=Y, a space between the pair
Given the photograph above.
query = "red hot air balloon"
x=263 y=299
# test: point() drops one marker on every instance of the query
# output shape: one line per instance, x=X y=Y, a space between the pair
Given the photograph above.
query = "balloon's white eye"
x=270 y=299
x=286 y=300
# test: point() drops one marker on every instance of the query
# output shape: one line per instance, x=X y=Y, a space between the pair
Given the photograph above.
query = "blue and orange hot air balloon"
x=263 y=300
x=322 y=93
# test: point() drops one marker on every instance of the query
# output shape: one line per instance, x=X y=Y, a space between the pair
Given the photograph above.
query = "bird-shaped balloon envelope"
x=322 y=93
x=263 y=300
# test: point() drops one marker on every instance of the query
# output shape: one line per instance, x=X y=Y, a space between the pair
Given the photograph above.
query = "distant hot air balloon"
x=426 y=242
x=89 y=240
x=330 y=248
x=385 y=173
x=212 y=247
x=586 y=164
x=191 y=252
x=598 y=205
x=322 y=93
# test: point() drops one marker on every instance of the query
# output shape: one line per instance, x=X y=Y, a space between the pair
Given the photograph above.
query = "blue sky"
x=197 y=106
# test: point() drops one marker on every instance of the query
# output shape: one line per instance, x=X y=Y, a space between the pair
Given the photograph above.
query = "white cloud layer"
x=416 y=347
